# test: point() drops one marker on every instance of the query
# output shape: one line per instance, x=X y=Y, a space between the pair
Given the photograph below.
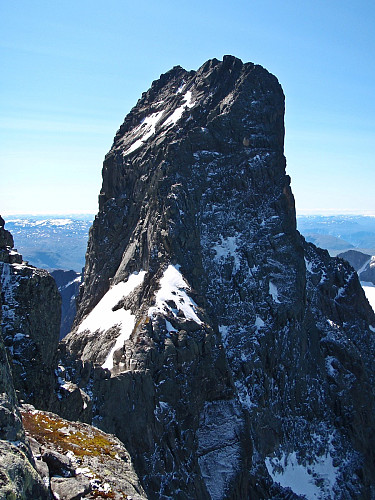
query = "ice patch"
x=173 y=288
x=313 y=481
x=103 y=317
x=227 y=248
x=273 y=291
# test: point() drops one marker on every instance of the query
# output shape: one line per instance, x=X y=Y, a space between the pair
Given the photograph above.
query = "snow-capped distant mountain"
x=338 y=233
x=60 y=242
x=50 y=241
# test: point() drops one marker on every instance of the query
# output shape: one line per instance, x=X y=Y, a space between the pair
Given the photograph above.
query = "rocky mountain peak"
x=208 y=331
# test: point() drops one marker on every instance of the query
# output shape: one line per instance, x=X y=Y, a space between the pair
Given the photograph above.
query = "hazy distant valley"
x=338 y=233
x=59 y=242
x=51 y=241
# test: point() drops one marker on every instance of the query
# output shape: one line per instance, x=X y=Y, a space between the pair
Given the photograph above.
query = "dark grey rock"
x=355 y=258
x=68 y=283
x=256 y=358
x=6 y=239
x=18 y=476
x=58 y=464
x=30 y=325
x=363 y=263
x=368 y=273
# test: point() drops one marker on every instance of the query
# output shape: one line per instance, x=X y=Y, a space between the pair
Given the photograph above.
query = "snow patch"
x=8 y=285
x=146 y=129
x=227 y=248
x=173 y=288
x=330 y=360
x=177 y=113
x=309 y=266
x=76 y=280
x=103 y=317
x=273 y=291
x=333 y=324
x=259 y=323
x=367 y=263
x=224 y=332
x=369 y=289
x=313 y=481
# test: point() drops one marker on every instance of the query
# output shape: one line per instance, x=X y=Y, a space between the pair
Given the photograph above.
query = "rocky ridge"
x=363 y=263
x=229 y=355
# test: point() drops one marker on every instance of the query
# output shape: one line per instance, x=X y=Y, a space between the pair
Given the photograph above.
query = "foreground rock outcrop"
x=77 y=460
x=232 y=358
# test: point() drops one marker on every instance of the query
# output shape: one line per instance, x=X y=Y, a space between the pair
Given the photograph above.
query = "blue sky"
x=70 y=71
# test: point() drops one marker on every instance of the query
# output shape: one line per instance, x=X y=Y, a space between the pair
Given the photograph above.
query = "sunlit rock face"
x=232 y=358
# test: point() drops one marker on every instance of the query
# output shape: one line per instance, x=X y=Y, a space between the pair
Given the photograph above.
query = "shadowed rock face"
x=30 y=323
x=235 y=356
x=68 y=285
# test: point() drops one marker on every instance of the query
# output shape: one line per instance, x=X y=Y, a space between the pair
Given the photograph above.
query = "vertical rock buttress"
x=227 y=353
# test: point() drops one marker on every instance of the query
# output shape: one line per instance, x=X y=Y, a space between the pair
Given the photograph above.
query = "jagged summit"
x=229 y=355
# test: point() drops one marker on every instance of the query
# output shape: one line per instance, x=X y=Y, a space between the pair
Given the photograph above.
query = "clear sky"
x=71 y=70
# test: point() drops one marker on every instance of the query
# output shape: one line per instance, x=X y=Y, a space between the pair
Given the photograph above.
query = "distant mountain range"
x=51 y=242
x=59 y=241
x=338 y=233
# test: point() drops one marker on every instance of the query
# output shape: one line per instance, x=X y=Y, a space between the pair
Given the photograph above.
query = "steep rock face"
x=235 y=356
x=30 y=323
x=18 y=477
x=68 y=285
